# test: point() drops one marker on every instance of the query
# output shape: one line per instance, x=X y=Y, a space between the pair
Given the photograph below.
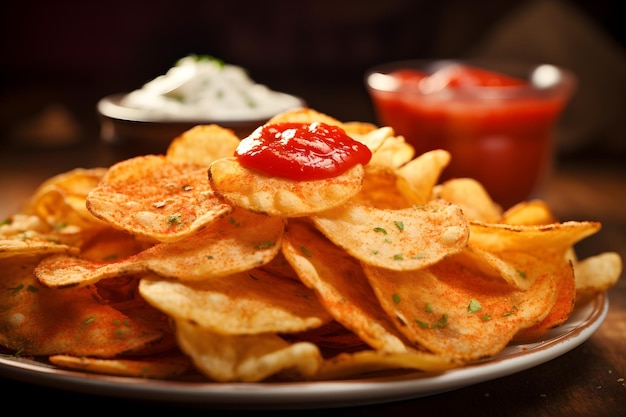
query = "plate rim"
x=583 y=323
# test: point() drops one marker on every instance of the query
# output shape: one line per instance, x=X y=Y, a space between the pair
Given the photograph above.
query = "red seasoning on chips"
x=301 y=151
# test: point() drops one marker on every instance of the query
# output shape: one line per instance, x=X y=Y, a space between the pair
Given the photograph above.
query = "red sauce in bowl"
x=498 y=128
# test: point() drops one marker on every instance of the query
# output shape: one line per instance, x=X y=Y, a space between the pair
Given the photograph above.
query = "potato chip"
x=515 y=268
x=150 y=197
x=563 y=306
x=417 y=178
x=33 y=246
x=403 y=239
x=42 y=321
x=161 y=367
x=379 y=189
x=250 y=302
x=238 y=242
x=472 y=197
x=373 y=139
x=533 y=212
x=367 y=362
x=60 y=200
x=550 y=242
x=23 y=226
x=202 y=145
x=553 y=242
x=457 y=313
x=534 y=239
x=275 y=196
x=303 y=115
x=394 y=152
x=246 y=358
x=357 y=129
x=23 y=234
x=341 y=286
x=73 y=230
x=67 y=271
x=597 y=273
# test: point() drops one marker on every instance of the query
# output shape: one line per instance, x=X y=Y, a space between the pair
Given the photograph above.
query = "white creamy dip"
x=205 y=88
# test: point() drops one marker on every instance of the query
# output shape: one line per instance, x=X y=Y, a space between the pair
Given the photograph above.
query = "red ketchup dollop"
x=301 y=151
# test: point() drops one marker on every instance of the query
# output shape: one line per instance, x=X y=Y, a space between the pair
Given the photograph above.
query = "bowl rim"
x=566 y=84
x=110 y=107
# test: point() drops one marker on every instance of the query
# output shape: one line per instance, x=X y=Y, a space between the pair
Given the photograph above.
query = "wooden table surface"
x=586 y=381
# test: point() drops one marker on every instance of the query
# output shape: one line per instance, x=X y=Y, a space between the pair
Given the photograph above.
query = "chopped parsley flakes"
x=174 y=219
x=265 y=245
x=474 y=306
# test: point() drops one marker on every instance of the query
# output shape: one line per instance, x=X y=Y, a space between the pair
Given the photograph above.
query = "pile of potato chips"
x=188 y=263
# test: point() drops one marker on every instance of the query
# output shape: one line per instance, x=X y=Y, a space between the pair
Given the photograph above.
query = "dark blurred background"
x=57 y=58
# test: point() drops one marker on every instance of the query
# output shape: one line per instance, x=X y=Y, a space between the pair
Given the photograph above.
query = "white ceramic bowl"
x=140 y=131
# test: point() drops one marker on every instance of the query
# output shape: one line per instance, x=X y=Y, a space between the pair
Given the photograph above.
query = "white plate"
x=584 y=321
